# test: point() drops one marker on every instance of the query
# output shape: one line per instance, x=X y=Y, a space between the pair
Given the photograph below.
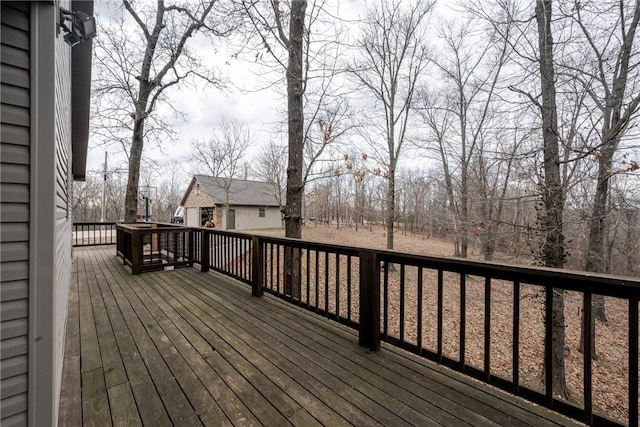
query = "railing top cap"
x=135 y=225
x=151 y=227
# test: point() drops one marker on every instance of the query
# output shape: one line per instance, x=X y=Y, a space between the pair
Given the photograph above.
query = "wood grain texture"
x=198 y=349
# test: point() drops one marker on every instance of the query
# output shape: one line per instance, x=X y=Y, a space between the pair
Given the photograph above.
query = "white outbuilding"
x=232 y=204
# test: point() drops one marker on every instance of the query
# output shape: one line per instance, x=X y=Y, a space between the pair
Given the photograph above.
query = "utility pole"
x=104 y=184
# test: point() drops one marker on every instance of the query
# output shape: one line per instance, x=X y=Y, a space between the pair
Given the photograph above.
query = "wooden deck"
x=188 y=348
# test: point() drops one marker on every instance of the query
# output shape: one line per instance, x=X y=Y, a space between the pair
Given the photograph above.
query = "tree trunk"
x=553 y=247
x=615 y=122
x=488 y=233
x=338 y=201
x=456 y=242
x=593 y=335
x=295 y=188
x=464 y=209
x=391 y=207
x=595 y=254
x=489 y=239
x=135 y=157
x=357 y=211
x=448 y=180
x=630 y=242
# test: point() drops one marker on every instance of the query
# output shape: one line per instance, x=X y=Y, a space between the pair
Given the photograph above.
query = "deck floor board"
x=404 y=381
x=277 y=359
x=299 y=347
x=224 y=339
x=267 y=360
x=189 y=348
x=147 y=401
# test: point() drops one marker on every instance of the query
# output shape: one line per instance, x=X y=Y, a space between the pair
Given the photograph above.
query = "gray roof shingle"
x=241 y=192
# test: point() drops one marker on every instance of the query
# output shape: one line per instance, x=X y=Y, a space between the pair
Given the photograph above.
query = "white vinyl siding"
x=247 y=217
x=62 y=224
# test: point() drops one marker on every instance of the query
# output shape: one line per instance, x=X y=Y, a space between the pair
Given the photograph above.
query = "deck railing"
x=403 y=275
x=152 y=247
x=403 y=299
x=197 y=236
x=328 y=277
x=328 y=273
x=457 y=312
x=93 y=233
x=226 y=252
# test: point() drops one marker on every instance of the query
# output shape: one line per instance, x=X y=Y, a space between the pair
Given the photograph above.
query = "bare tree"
x=439 y=122
x=222 y=155
x=471 y=66
x=172 y=185
x=392 y=56
x=329 y=123
x=355 y=165
x=605 y=76
x=269 y=25
x=86 y=200
x=271 y=166
x=115 y=189
x=553 y=250
x=414 y=189
x=139 y=57
x=540 y=53
x=492 y=177
x=295 y=40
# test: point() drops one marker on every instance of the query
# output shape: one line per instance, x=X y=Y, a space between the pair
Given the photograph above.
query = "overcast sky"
x=203 y=107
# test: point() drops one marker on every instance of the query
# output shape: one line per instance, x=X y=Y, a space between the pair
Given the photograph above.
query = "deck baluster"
x=206 y=250
x=257 y=274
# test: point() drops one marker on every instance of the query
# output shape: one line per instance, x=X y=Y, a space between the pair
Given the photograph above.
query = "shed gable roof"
x=241 y=192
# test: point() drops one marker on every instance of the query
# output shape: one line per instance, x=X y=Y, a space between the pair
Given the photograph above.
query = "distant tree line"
x=428 y=126
x=507 y=126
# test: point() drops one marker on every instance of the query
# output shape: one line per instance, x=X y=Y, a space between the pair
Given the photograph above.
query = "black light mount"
x=83 y=26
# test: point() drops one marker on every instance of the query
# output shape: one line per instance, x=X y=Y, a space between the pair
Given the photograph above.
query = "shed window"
x=261 y=213
x=197 y=189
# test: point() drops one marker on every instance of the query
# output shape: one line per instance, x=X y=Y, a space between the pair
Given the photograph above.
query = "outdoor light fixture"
x=83 y=26
x=72 y=38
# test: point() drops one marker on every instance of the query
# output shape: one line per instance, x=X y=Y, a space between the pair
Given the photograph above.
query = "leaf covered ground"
x=610 y=370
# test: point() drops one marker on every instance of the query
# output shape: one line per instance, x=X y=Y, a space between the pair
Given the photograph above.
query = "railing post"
x=205 y=251
x=257 y=273
x=136 y=252
x=369 y=333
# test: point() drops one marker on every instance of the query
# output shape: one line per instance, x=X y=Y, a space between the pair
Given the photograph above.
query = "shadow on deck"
x=188 y=348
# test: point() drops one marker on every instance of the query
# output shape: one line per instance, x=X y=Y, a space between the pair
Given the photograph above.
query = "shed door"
x=191 y=217
x=231 y=219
